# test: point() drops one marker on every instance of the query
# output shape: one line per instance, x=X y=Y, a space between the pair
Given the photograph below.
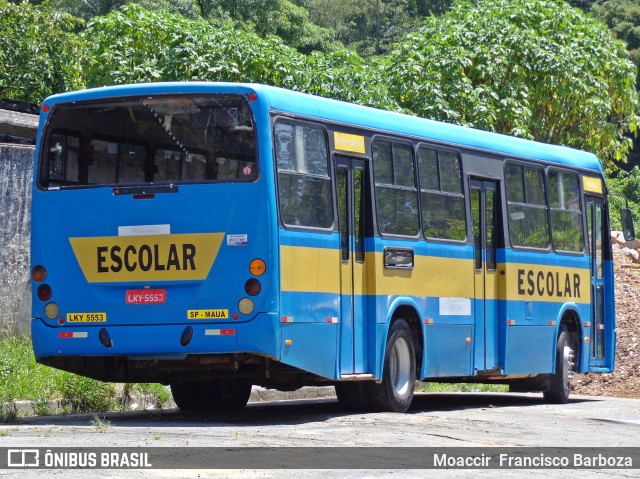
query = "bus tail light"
x=44 y=292
x=252 y=287
x=38 y=274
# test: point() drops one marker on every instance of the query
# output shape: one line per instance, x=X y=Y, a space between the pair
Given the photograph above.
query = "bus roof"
x=361 y=116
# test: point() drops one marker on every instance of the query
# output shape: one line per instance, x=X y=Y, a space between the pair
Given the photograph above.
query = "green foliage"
x=460 y=387
x=152 y=394
x=623 y=185
x=296 y=30
x=40 y=53
x=81 y=394
x=101 y=425
x=623 y=17
x=371 y=26
x=135 y=45
x=531 y=68
x=88 y=9
x=21 y=378
x=282 y=18
x=8 y=412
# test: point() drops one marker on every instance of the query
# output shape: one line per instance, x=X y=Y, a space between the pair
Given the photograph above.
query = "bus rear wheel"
x=560 y=381
x=395 y=392
x=188 y=396
x=211 y=395
x=232 y=395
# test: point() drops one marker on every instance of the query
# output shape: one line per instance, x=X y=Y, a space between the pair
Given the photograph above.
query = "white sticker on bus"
x=144 y=230
x=455 y=307
x=237 y=240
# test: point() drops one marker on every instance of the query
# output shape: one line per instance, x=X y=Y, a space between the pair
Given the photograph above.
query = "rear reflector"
x=73 y=334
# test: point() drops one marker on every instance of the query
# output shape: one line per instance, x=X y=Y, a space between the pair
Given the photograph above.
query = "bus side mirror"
x=628 y=230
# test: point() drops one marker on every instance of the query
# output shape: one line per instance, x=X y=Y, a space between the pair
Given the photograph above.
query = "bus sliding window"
x=395 y=190
x=304 y=185
x=440 y=175
x=526 y=205
x=567 y=231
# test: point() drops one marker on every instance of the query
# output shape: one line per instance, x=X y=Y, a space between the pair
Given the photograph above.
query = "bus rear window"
x=143 y=140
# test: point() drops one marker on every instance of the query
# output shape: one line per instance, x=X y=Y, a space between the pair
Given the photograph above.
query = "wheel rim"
x=400 y=366
x=567 y=364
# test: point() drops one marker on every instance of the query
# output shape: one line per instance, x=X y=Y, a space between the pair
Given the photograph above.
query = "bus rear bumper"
x=260 y=335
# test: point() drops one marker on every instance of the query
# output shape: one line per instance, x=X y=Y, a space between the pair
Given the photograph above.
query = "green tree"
x=134 y=45
x=40 y=53
x=532 y=68
x=369 y=26
x=623 y=17
x=88 y=9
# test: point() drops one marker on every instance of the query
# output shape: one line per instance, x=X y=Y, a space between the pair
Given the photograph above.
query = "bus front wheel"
x=560 y=381
x=395 y=392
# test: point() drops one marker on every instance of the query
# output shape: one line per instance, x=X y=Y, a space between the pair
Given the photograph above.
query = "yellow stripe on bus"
x=306 y=269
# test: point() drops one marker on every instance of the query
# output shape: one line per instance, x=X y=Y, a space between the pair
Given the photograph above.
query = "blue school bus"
x=215 y=236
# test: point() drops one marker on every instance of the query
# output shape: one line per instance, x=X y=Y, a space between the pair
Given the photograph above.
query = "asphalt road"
x=435 y=420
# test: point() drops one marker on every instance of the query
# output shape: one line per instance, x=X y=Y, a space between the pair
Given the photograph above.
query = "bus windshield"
x=149 y=140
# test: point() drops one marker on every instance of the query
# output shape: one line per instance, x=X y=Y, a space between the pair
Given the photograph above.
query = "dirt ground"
x=625 y=380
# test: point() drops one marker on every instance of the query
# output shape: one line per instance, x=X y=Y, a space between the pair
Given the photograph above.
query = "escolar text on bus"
x=540 y=283
x=146 y=257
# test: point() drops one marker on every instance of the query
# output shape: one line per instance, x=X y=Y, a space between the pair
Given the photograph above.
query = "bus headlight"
x=245 y=306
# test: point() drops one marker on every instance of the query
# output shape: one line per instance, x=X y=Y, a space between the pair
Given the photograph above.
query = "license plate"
x=146 y=296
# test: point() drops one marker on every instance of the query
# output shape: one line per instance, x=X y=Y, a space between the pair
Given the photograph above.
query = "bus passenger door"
x=484 y=211
x=596 y=223
x=351 y=191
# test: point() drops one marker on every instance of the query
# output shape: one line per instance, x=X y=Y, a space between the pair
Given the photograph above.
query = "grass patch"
x=21 y=378
x=461 y=388
x=151 y=394
x=100 y=424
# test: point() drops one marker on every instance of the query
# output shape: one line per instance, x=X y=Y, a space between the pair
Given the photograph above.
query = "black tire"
x=560 y=380
x=395 y=392
x=188 y=396
x=353 y=395
x=231 y=394
x=212 y=395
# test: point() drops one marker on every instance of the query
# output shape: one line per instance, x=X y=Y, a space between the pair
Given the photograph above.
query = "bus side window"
x=304 y=185
x=526 y=206
x=440 y=176
x=395 y=188
x=566 y=213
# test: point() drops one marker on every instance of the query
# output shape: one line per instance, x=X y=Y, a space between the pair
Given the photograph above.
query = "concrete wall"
x=16 y=172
